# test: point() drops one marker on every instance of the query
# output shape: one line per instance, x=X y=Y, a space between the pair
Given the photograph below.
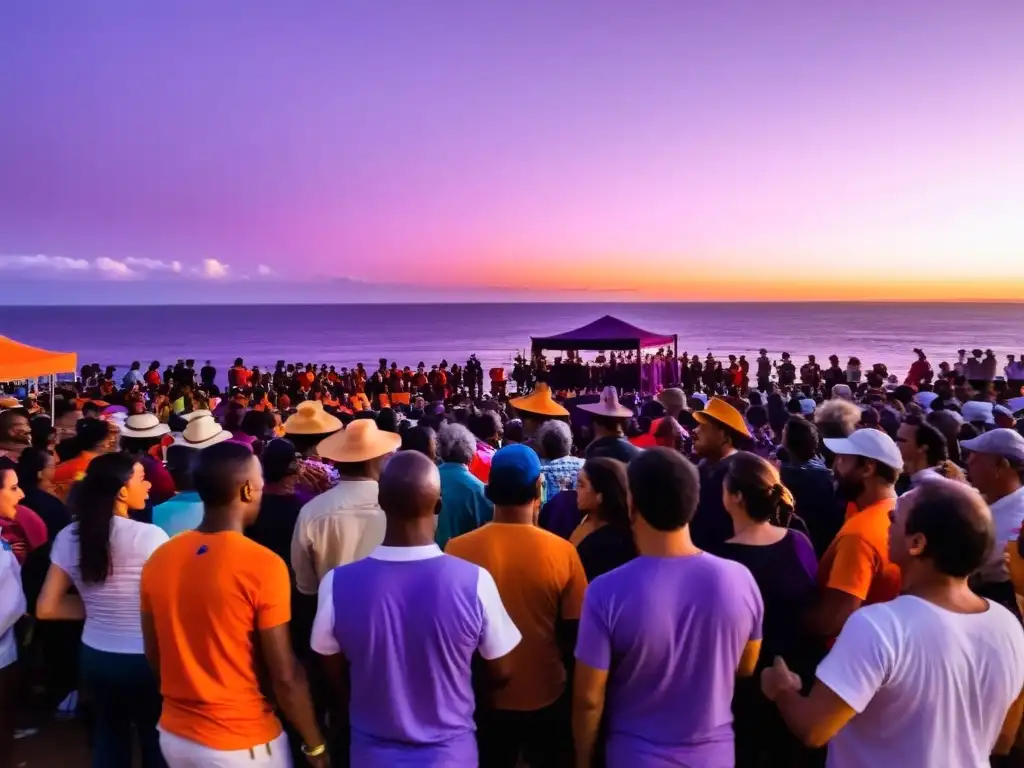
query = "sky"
x=393 y=150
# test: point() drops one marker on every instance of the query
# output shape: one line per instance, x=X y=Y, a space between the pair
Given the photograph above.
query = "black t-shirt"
x=606 y=549
x=276 y=524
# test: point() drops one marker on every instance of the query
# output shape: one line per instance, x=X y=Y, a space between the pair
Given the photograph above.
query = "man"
x=15 y=434
x=933 y=678
x=720 y=427
x=810 y=373
x=398 y=631
x=787 y=371
x=609 y=428
x=214 y=584
x=920 y=371
x=464 y=504
x=345 y=523
x=208 y=375
x=995 y=466
x=663 y=638
x=133 y=377
x=811 y=483
x=184 y=510
x=855 y=570
x=764 y=371
x=922 y=448
x=541 y=582
x=536 y=408
x=833 y=376
x=91 y=437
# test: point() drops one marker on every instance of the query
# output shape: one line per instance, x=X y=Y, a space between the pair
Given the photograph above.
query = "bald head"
x=955 y=523
x=410 y=486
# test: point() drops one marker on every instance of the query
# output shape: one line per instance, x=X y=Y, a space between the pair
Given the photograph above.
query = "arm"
x=571 y=608
x=831 y=611
x=849 y=580
x=149 y=641
x=498 y=635
x=588 y=698
x=291 y=689
x=748 y=661
x=1008 y=733
x=302 y=563
x=55 y=601
x=816 y=718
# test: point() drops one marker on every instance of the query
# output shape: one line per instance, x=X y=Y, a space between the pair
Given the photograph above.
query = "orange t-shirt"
x=857 y=560
x=69 y=472
x=208 y=593
x=540 y=579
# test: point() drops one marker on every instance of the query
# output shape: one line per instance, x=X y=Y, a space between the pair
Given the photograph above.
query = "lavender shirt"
x=671 y=632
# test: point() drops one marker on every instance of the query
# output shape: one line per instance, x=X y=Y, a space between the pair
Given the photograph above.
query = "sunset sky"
x=485 y=150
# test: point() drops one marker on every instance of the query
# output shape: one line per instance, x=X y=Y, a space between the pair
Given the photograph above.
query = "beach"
x=344 y=335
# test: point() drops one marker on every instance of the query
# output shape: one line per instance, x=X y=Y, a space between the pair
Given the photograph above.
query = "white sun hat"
x=143 y=425
x=202 y=432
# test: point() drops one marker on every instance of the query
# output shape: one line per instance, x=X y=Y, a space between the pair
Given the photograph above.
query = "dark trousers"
x=543 y=736
x=124 y=693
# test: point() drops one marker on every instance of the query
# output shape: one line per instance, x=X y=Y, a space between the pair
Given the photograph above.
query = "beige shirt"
x=337 y=527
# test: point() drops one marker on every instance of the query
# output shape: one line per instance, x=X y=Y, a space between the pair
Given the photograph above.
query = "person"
x=309 y=426
x=784 y=567
x=923 y=449
x=541 y=582
x=464 y=505
x=423 y=439
x=21 y=529
x=15 y=433
x=101 y=555
x=274 y=526
x=184 y=510
x=487 y=429
x=214 y=711
x=559 y=467
x=995 y=466
x=855 y=570
x=930 y=678
x=630 y=667
x=720 y=429
x=91 y=437
x=141 y=434
x=345 y=523
x=398 y=631
x=534 y=409
x=609 y=423
x=12 y=608
x=603 y=539
x=804 y=473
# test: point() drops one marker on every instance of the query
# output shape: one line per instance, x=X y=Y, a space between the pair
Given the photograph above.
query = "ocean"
x=344 y=335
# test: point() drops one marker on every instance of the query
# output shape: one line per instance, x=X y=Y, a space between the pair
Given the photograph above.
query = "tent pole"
x=640 y=369
x=675 y=365
x=53 y=405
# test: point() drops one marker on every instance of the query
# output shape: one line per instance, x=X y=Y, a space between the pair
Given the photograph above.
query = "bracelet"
x=313 y=751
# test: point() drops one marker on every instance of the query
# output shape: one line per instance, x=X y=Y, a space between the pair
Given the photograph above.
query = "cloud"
x=114 y=268
x=153 y=265
x=214 y=269
x=264 y=271
x=43 y=262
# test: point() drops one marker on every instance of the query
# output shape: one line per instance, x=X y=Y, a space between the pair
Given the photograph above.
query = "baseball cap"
x=842 y=391
x=975 y=410
x=869 y=443
x=1007 y=443
x=514 y=473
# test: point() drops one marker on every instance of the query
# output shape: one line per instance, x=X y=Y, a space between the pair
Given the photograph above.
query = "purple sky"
x=648 y=149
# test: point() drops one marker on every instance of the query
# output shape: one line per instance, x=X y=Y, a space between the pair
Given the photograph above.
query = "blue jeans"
x=124 y=693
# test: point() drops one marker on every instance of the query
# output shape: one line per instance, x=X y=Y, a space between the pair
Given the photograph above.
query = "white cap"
x=807 y=406
x=977 y=410
x=842 y=392
x=925 y=399
x=869 y=443
x=1007 y=443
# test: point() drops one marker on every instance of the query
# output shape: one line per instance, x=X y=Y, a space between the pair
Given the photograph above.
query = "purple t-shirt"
x=671 y=631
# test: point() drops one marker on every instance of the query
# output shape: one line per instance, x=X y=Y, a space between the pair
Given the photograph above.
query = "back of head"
x=422 y=439
x=220 y=472
x=956 y=526
x=554 y=439
x=608 y=479
x=664 y=488
x=387 y=420
x=280 y=460
x=31 y=462
x=514 y=480
x=180 y=459
x=757 y=481
x=837 y=418
x=455 y=444
x=409 y=486
x=90 y=434
x=801 y=440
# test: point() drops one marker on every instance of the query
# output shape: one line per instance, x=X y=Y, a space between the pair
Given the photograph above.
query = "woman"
x=140 y=434
x=35 y=477
x=784 y=566
x=101 y=555
x=603 y=539
x=21 y=530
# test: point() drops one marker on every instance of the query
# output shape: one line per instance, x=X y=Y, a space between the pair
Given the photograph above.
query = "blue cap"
x=514 y=468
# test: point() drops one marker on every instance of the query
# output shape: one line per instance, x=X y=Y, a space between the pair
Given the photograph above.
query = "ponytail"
x=92 y=503
x=757 y=481
x=783 y=505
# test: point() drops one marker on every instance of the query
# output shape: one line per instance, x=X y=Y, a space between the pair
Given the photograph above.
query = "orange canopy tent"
x=20 y=361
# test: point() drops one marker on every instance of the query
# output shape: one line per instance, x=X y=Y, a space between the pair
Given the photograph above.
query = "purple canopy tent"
x=607 y=333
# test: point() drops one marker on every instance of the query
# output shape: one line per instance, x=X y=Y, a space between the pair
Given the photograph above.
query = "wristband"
x=313 y=751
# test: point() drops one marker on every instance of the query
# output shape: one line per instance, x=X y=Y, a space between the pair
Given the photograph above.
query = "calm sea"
x=349 y=334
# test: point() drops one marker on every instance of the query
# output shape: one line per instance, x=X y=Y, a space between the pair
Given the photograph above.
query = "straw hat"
x=143 y=425
x=202 y=432
x=720 y=413
x=310 y=418
x=10 y=402
x=608 y=405
x=673 y=399
x=195 y=415
x=539 y=402
x=361 y=441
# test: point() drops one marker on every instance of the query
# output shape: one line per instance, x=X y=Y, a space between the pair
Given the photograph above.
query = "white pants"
x=182 y=753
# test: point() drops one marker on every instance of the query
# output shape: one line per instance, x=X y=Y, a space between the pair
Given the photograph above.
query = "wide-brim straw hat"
x=539 y=402
x=608 y=406
x=673 y=398
x=202 y=432
x=143 y=425
x=310 y=418
x=722 y=414
x=360 y=441
x=10 y=402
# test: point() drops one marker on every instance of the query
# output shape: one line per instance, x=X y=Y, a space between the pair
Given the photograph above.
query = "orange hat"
x=539 y=402
x=361 y=441
x=722 y=414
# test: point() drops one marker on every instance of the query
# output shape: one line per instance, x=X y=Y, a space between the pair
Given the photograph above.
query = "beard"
x=849 y=488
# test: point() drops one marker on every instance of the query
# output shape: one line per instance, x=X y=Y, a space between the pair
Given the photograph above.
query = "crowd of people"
x=796 y=567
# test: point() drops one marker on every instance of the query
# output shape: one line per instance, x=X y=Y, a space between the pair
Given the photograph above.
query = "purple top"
x=671 y=631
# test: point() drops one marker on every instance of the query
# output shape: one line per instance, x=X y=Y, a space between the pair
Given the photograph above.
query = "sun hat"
x=1007 y=443
x=539 y=402
x=195 y=414
x=869 y=443
x=926 y=399
x=978 y=411
x=143 y=425
x=310 y=418
x=202 y=432
x=719 y=412
x=673 y=398
x=608 y=405
x=361 y=441
x=842 y=392
x=10 y=402
x=513 y=468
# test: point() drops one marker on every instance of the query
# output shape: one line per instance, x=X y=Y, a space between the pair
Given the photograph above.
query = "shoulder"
x=144 y=533
x=724 y=569
x=66 y=535
x=468 y=542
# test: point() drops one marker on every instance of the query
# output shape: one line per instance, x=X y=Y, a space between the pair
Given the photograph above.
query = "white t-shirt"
x=112 y=621
x=12 y=605
x=931 y=688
